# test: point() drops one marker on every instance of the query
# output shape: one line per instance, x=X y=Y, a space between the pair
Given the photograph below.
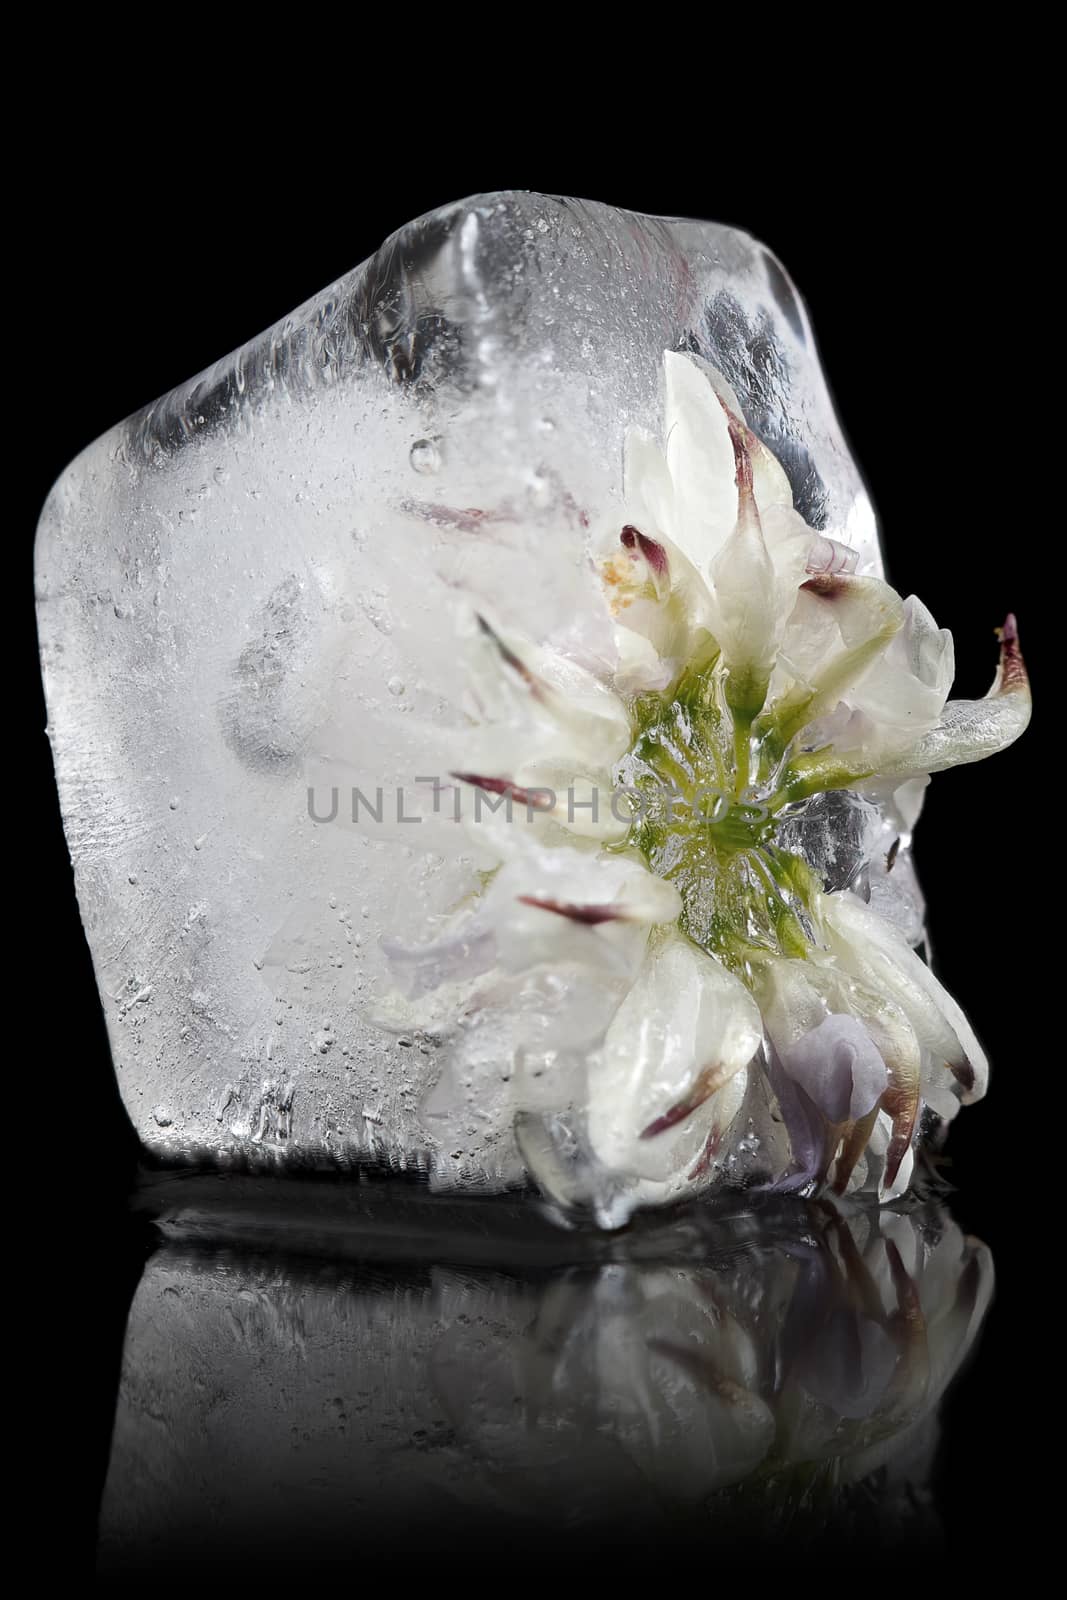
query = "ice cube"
x=246 y=604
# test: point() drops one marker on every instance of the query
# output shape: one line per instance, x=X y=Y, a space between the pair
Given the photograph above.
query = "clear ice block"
x=245 y=594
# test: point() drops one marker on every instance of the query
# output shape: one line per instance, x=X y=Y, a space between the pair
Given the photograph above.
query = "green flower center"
x=707 y=786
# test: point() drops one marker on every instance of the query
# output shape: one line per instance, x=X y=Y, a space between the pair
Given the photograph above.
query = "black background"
x=171 y=219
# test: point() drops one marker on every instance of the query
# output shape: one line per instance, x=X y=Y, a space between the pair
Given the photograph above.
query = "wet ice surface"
x=251 y=589
x=366 y=1374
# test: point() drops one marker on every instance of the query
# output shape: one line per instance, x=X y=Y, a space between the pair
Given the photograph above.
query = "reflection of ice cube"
x=257 y=579
x=270 y=1403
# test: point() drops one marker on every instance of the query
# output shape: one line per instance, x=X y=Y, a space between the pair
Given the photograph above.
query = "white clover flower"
x=648 y=972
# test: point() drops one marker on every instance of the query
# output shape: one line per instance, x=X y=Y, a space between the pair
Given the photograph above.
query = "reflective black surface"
x=333 y=1377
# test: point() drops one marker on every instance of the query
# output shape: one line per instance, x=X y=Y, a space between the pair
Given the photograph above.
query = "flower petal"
x=685 y=1019
x=791 y=1007
x=549 y=907
x=555 y=702
x=655 y=593
x=839 y=1068
x=648 y=486
x=906 y=688
x=829 y=555
x=898 y=1046
x=769 y=481
x=752 y=596
x=970 y=730
x=546 y=736
x=881 y=957
x=840 y=625
x=701 y=461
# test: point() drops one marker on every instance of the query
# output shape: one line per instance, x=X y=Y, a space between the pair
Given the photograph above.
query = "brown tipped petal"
x=640 y=544
x=513 y=661
x=903 y=1107
x=886 y=962
x=1012 y=676
x=708 y=1082
x=590 y=915
x=896 y=1039
x=970 y=730
x=535 y=799
x=855 y=1142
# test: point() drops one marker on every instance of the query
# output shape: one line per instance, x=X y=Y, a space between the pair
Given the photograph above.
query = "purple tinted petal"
x=803 y=1124
x=838 y=1068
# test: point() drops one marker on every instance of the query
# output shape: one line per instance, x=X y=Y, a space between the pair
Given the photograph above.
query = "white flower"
x=647 y=972
x=672 y=1067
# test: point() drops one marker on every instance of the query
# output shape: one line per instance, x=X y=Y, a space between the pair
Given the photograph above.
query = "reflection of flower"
x=831 y=1347
x=630 y=974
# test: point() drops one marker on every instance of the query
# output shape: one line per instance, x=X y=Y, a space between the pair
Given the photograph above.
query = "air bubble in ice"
x=425 y=456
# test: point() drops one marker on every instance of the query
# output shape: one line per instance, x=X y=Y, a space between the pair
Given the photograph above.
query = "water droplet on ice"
x=395 y=685
x=163 y=1116
x=425 y=455
x=175 y=803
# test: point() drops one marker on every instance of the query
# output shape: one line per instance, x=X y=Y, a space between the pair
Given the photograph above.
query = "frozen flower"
x=648 y=972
